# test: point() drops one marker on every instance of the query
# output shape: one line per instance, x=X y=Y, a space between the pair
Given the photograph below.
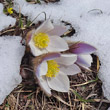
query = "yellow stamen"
x=9 y=10
x=41 y=40
x=53 y=68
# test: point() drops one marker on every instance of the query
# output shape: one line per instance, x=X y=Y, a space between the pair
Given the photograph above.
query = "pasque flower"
x=52 y=69
x=46 y=39
x=83 y=52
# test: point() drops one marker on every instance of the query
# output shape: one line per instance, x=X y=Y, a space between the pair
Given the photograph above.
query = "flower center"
x=41 y=40
x=53 y=68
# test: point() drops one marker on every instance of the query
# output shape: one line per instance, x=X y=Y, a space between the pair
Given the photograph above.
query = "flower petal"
x=43 y=68
x=70 y=70
x=66 y=59
x=36 y=51
x=82 y=48
x=29 y=36
x=40 y=63
x=57 y=44
x=51 y=56
x=58 y=30
x=45 y=27
x=59 y=83
x=84 y=60
x=44 y=85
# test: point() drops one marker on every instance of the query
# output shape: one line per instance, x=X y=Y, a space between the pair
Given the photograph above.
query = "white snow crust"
x=91 y=19
x=11 y=52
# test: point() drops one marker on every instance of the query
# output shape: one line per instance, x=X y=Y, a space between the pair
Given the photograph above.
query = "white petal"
x=45 y=27
x=43 y=68
x=66 y=59
x=70 y=70
x=59 y=83
x=84 y=60
x=58 y=30
x=36 y=51
x=57 y=44
x=44 y=85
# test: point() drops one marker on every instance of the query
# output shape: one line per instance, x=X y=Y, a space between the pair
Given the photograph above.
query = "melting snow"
x=11 y=52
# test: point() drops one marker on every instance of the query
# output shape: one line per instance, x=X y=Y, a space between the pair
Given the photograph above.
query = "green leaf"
x=80 y=98
x=20 y=23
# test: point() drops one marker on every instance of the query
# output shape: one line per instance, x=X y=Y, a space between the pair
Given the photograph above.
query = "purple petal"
x=28 y=36
x=51 y=56
x=82 y=48
x=84 y=60
x=58 y=30
x=37 y=73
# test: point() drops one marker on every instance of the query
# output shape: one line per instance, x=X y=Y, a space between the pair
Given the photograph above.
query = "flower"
x=10 y=10
x=83 y=51
x=52 y=69
x=46 y=39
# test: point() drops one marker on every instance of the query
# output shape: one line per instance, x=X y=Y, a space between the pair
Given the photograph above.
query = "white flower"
x=52 y=70
x=46 y=39
x=83 y=52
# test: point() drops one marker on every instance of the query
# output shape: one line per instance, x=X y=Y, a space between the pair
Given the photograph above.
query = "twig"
x=28 y=101
x=17 y=103
x=61 y=100
x=37 y=16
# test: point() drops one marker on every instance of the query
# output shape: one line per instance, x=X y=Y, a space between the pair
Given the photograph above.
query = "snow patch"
x=108 y=108
x=11 y=53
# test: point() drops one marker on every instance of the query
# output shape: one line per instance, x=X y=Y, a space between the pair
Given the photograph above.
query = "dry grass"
x=85 y=94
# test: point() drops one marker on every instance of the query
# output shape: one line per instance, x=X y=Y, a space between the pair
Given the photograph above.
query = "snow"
x=108 y=108
x=91 y=19
x=11 y=52
x=5 y=21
